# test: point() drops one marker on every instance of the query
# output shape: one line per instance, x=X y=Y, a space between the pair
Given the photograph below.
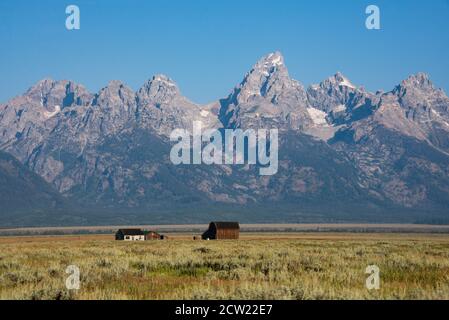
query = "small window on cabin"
x=127 y=237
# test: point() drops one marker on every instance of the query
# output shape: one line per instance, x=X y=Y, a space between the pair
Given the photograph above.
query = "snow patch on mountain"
x=340 y=108
x=346 y=83
x=318 y=116
x=49 y=114
x=204 y=113
x=164 y=80
x=439 y=117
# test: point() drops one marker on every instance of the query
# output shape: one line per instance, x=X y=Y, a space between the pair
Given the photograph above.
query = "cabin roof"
x=131 y=232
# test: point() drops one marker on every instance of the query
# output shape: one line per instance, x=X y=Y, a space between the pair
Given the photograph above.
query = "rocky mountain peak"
x=115 y=84
x=338 y=80
x=115 y=94
x=418 y=90
x=43 y=85
x=270 y=63
x=49 y=93
x=267 y=80
x=334 y=84
x=266 y=97
x=159 y=90
x=269 y=66
x=162 y=108
x=417 y=85
x=335 y=94
x=420 y=80
x=343 y=81
x=45 y=88
x=423 y=104
x=163 y=80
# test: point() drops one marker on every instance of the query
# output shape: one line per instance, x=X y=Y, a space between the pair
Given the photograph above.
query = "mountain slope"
x=345 y=153
x=24 y=196
x=400 y=145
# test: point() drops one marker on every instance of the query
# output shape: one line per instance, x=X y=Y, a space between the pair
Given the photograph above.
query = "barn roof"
x=151 y=232
x=226 y=225
x=131 y=232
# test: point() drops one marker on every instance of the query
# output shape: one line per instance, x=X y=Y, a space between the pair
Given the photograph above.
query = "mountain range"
x=69 y=156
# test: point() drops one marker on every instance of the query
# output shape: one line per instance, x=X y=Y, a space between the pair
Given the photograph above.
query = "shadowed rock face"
x=341 y=148
x=23 y=192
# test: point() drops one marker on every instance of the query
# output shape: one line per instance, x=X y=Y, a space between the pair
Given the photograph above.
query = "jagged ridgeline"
x=344 y=153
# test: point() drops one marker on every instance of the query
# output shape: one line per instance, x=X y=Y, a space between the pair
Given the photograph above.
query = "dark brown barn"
x=222 y=231
x=151 y=235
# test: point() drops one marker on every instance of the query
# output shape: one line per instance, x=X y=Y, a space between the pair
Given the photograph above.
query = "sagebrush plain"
x=258 y=266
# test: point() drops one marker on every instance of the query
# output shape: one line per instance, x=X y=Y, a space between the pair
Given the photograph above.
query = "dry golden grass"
x=259 y=266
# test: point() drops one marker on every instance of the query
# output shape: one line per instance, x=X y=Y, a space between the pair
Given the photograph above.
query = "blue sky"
x=207 y=46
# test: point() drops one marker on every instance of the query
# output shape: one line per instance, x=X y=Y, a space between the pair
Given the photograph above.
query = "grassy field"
x=259 y=266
